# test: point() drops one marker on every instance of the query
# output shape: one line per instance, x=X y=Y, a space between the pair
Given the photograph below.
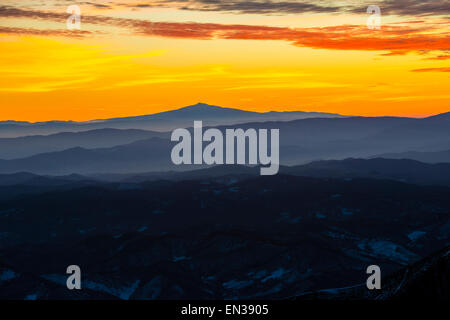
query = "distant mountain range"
x=408 y=171
x=301 y=141
x=429 y=157
x=403 y=170
x=164 y=121
x=122 y=146
x=138 y=156
x=12 y=148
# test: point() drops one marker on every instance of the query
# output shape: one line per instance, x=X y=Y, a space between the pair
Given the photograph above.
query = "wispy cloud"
x=432 y=70
x=394 y=39
x=440 y=57
x=47 y=32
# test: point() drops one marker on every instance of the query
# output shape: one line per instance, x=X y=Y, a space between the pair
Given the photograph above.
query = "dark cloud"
x=97 y=5
x=398 y=7
x=260 y=7
x=281 y=7
x=415 y=7
x=12 y=12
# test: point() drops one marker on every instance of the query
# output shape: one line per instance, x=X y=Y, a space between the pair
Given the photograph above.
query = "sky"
x=142 y=57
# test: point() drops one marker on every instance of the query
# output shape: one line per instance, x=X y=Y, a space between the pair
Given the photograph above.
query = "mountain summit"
x=164 y=121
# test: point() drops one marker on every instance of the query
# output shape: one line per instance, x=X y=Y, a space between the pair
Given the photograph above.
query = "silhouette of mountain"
x=26 y=178
x=164 y=121
x=429 y=157
x=403 y=170
x=301 y=141
x=22 y=183
x=12 y=148
x=143 y=155
x=440 y=117
x=307 y=140
x=428 y=134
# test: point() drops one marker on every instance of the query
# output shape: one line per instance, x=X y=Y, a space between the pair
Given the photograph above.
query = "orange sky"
x=130 y=60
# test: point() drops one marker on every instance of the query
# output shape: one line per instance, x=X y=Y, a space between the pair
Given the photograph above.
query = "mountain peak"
x=202 y=105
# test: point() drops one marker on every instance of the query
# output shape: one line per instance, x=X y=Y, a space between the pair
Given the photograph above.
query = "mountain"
x=143 y=155
x=17 y=178
x=30 y=179
x=164 y=121
x=403 y=170
x=440 y=117
x=11 y=148
x=223 y=172
x=307 y=140
x=301 y=142
x=429 y=157
x=211 y=113
x=427 y=134
x=22 y=183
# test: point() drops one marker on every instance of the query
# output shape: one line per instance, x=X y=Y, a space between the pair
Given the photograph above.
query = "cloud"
x=397 y=7
x=432 y=70
x=12 y=12
x=40 y=32
x=415 y=7
x=440 y=57
x=279 y=7
x=262 y=7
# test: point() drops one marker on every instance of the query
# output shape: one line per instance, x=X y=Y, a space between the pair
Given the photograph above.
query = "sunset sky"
x=141 y=57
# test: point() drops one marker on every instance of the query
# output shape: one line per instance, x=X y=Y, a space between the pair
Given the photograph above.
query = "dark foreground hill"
x=261 y=237
x=425 y=280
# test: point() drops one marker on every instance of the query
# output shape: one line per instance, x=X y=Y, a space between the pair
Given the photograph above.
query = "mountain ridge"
x=162 y=121
x=194 y=107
